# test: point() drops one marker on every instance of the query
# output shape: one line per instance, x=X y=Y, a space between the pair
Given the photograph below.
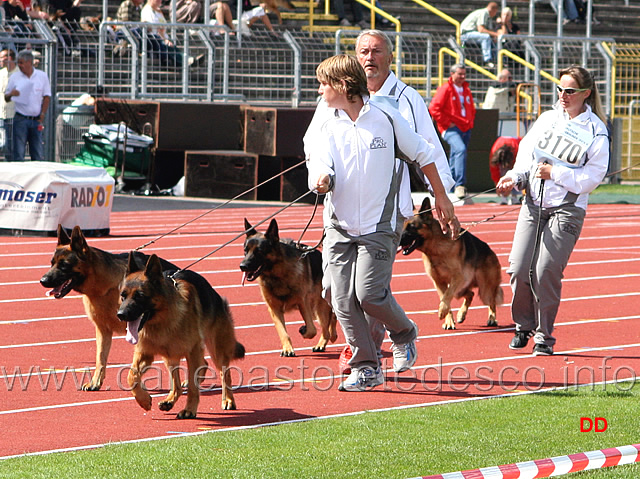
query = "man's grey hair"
x=379 y=34
x=456 y=67
x=25 y=55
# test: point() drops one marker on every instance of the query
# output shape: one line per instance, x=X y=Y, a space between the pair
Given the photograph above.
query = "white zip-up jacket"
x=578 y=149
x=360 y=159
x=413 y=109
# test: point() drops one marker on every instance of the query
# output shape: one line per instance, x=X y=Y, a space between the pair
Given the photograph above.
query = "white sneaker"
x=460 y=191
x=362 y=379
x=404 y=355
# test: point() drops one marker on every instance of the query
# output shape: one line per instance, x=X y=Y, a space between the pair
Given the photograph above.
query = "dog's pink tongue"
x=244 y=276
x=54 y=292
x=132 y=331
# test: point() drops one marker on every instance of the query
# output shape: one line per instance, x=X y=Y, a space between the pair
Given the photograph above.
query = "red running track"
x=47 y=345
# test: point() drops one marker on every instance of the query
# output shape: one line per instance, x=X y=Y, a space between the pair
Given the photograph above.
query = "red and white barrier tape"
x=555 y=466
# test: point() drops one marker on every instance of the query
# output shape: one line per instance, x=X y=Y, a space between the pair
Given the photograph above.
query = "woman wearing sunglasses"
x=562 y=158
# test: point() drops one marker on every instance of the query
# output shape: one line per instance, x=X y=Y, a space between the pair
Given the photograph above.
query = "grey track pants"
x=560 y=229
x=360 y=272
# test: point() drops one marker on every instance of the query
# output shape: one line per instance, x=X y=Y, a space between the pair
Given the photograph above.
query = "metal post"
x=297 y=69
x=532 y=16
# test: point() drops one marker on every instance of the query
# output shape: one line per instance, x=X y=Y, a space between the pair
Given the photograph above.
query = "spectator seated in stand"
x=16 y=19
x=501 y=95
x=159 y=42
x=251 y=13
x=220 y=13
x=480 y=27
x=128 y=11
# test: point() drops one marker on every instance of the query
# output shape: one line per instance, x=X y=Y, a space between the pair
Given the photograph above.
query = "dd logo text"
x=597 y=424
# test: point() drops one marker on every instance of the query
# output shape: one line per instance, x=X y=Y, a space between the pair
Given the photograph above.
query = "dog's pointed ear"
x=78 y=242
x=272 y=231
x=132 y=264
x=251 y=231
x=63 y=237
x=425 y=209
x=153 y=268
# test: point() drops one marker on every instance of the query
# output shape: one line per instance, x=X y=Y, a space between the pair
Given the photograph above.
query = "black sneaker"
x=520 y=340
x=542 y=350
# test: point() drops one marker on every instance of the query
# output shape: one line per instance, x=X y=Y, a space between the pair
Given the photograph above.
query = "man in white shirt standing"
x=29 y=89
x=7 y=110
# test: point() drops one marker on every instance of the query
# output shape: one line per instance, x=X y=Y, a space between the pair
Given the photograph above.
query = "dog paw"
x=165 y=405
x=186 y=414
x=228 y=405
x=461 y=319
x=447 y=325
x=303 y=329
x=288 y=354
x=144 y=402
x=90 y=387
x=318 y=349
x=492 y=322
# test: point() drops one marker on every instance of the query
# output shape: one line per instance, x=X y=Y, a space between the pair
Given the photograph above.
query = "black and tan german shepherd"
x=455 y=266
x=171 y=314
x=96 y=274
x=288 y=280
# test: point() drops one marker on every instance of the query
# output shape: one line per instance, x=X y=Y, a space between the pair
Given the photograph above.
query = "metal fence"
x=549 y=54
x=278 y=68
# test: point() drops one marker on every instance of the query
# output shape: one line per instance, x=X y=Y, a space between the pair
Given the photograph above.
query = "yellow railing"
x=526 y=64
x=502 y=53
x=372 y=7
x=469 y=63
x=442 y=15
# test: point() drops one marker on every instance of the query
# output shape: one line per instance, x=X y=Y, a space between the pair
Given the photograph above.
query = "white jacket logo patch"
x=377 y=143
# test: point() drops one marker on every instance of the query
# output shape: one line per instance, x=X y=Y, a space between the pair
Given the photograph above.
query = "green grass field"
x=624 y=189
x=397 y=444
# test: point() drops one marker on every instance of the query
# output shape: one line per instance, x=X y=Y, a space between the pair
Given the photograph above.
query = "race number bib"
x=566 y=143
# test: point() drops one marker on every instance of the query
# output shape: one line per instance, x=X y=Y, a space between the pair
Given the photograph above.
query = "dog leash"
x=291 y=203
x=490 y=218
x=536 y=244
x=221 y=205
x=308 y=249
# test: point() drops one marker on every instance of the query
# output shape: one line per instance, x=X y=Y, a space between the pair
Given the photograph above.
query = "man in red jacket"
x=453 y=110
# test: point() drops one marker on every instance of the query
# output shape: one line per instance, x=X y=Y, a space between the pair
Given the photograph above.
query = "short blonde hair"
x=343 y=68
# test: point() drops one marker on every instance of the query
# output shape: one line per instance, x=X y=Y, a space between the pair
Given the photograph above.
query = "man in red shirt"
x=454 y=112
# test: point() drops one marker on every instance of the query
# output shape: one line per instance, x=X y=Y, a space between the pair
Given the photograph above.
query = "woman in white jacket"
x=560 y=161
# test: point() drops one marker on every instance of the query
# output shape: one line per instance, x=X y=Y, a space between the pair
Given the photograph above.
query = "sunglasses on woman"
x=569 y=91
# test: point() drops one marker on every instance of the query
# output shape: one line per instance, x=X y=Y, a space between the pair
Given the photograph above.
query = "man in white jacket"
x=355 y=164
x=374 y=51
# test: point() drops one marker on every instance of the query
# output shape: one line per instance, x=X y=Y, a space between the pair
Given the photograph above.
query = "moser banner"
x=39 y=195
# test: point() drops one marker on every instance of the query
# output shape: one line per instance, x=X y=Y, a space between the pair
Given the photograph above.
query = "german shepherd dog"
x=455 y=266
x=288 y=280
x=97 y=275
x=170 y=314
